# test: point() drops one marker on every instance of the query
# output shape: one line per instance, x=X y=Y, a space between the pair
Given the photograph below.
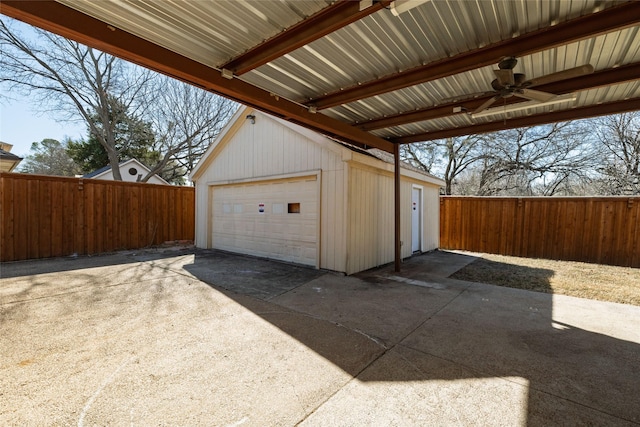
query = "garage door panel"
x=239 y=226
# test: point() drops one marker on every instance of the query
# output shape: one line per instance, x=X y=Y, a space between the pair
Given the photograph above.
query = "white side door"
x=416 y=217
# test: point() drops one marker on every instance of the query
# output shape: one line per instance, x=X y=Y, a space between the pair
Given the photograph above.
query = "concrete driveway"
x=208 y=338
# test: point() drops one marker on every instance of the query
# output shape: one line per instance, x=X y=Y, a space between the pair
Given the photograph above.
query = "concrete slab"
x=406 y=387
x=165 y=351
x=257 y=277
x=383 y=308
x=500 y=332
x=194 y=339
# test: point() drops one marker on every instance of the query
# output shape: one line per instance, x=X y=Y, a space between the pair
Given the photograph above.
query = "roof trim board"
x=227 y=132
x=75 y=25
x=368 y=158
x=614 y=18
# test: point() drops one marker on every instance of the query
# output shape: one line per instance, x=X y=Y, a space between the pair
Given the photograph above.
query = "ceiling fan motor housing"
x=508 y=63
x=518 y=79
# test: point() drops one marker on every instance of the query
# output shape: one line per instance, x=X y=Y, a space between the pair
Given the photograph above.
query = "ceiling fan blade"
x=486 y=104
x=465 y=97
x=505 y=77
x=561 y=75
x=534 y=95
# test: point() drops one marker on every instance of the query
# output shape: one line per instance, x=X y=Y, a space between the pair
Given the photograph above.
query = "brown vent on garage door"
x=293 y=207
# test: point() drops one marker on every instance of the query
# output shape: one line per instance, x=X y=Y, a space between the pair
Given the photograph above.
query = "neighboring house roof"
x=239 y=119
x=98 y=172
x=6 y=147
x=123 y=166
x=8 y=161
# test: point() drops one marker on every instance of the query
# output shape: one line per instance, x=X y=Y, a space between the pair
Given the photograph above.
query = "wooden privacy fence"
x=603 y=230
x=44 y=216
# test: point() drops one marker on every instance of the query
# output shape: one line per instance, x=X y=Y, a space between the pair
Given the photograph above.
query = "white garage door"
x=277 y=219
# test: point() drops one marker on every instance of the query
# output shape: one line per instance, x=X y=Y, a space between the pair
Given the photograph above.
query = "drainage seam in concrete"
x=387 y=350
x=376 y=340
x=293 y=289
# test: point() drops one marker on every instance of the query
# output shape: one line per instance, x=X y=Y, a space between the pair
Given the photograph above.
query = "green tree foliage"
x=49 y=157
x=72 y=80
x=132 y=136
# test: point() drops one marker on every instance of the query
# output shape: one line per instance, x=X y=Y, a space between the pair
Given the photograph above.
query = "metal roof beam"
x=518 y=122
x=326 y=21
x=72 y=24
x=606 y=77
x=610 y=19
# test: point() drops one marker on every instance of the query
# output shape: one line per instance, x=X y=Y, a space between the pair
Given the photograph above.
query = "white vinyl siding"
x=354 y=193
x=371 y=217
x=431 y=218
x=269 y=149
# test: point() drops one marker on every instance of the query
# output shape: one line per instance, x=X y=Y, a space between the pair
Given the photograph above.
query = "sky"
x=21 y=125
x=20 y=121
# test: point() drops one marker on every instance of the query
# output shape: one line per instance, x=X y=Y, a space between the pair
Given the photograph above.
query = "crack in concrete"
x=382 y=354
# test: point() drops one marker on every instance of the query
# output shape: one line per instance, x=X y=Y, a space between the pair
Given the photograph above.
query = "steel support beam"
x=328 y=20
x=601 y=78
x=75 y=25
x=538 y=119
x=610 y=19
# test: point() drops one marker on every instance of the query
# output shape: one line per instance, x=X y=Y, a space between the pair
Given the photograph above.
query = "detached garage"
x=271 y=188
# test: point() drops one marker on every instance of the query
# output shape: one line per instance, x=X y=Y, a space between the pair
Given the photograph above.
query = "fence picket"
x=44 y=216
x=602 y=230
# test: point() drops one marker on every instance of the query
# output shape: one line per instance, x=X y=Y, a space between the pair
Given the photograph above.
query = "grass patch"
x=578 y=279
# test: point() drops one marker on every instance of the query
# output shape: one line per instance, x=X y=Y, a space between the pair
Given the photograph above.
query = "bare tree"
x=449 y=157
x=619 y=141
x=185 y=120
x=422 y=155
x=72 y=80
x=540 y=160
x=75 y=82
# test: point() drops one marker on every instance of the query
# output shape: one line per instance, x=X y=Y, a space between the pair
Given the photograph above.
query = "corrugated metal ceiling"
x=210 y=32
x=603 y=52
x=381 y=44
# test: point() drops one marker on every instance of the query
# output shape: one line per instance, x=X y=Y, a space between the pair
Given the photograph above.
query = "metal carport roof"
x=356 y=71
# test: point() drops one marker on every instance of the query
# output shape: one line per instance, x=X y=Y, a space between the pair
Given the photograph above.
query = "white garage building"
x=271 y=188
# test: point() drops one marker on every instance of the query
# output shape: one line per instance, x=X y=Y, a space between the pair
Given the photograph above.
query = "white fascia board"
x=242 y=111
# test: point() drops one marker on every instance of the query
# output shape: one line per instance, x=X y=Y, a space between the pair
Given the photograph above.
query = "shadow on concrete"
x=510 y=275
x=71 y=263
x=421 y=325
x=252 y=276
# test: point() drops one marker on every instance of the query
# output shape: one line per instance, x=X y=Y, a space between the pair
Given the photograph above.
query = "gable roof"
x=8 y=156
x=8 y=161
x=98 y=171
x=104 y=170
x=239 y=119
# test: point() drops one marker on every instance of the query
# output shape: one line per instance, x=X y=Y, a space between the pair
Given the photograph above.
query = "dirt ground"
x=578 y=279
